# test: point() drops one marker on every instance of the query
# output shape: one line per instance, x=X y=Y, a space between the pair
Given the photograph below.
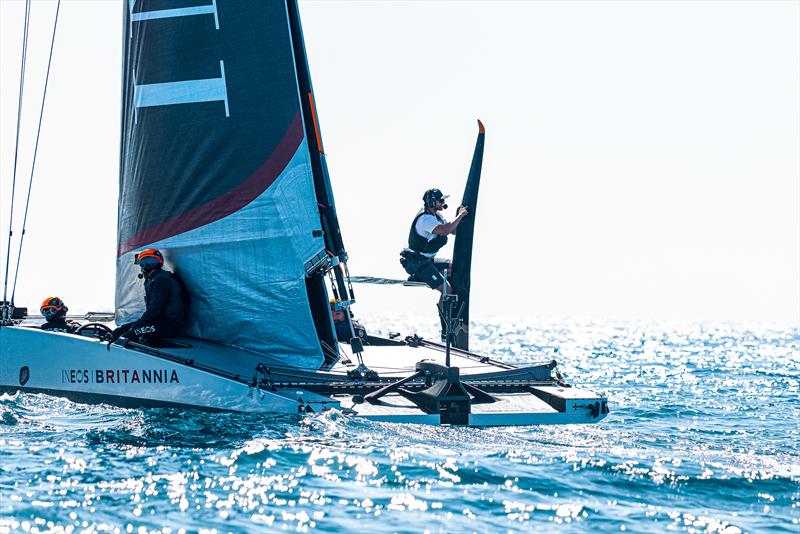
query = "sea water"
x=703 y=436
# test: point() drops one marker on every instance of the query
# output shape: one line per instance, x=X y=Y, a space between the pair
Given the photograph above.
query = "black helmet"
x=432 y=196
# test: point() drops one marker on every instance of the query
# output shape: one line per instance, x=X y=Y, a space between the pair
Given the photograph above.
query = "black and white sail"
x=220 y=171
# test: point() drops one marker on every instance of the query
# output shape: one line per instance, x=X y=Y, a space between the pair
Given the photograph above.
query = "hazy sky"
x=642 y=159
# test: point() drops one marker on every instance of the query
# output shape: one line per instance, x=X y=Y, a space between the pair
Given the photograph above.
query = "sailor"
x=340 y=323
x=428 y=234
x=164 y=303
x=55 y=312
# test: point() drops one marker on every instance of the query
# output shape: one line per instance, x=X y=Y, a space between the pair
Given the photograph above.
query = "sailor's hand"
x=118 y=332
x=115 y=334
x=461 y=212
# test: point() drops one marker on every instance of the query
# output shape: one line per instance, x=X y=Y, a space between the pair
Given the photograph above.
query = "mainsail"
x=217 y=171
x=462 y=249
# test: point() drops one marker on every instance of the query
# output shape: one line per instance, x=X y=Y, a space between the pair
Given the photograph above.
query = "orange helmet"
x=149 y=259
x=53 y=308
x=336 y=305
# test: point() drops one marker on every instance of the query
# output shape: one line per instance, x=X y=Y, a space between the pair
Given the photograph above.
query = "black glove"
x=118 y=333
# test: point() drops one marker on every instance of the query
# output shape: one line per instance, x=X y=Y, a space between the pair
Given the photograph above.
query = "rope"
x=35 y=151
x=16 y=144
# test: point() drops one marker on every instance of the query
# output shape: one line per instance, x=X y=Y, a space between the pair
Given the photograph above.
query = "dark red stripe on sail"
x=230 y=202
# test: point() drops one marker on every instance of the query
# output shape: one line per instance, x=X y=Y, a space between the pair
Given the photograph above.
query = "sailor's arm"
x=450 y=228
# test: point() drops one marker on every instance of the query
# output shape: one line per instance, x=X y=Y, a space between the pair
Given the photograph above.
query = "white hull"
x=207 y=376
x=83 y=369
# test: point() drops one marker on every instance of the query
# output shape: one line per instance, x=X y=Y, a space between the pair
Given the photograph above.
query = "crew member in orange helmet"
x=55 y=313
x=165 y=307
x=340 y=323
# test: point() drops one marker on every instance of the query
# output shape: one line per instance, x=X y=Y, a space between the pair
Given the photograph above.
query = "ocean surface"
x=703 y=436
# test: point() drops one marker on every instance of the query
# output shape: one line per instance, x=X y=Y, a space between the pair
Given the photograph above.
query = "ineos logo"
x=144 y=330
x=24 y=375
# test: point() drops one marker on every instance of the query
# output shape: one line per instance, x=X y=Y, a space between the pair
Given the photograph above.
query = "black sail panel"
x=462 y=249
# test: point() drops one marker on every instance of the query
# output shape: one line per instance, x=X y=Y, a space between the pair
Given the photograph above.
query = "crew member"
x=55 y=312
x=340 y=324
x=427 y=236
x=164 y=304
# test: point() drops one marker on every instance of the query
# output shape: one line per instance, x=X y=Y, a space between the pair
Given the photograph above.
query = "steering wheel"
x=98 y=330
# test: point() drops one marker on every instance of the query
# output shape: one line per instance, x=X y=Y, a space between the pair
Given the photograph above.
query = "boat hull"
x=212 y=377
x=83 y=369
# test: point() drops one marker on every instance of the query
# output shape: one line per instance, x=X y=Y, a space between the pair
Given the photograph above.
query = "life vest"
x=417 y=243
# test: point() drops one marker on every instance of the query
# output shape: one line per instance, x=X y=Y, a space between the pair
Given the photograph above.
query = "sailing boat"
x=222 y=168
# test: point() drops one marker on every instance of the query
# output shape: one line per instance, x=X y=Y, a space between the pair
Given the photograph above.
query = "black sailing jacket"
x=163 y=300
x=60 y=325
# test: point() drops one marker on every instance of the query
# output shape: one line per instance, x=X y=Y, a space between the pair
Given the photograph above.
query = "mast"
x=322 y=183
x=462 y=250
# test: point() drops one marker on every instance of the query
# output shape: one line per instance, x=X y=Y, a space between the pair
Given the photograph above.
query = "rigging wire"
x=35 y=151
x=16 y=148
x=329 y=350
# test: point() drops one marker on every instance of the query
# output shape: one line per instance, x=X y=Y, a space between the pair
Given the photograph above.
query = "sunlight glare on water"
x=702 y=437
